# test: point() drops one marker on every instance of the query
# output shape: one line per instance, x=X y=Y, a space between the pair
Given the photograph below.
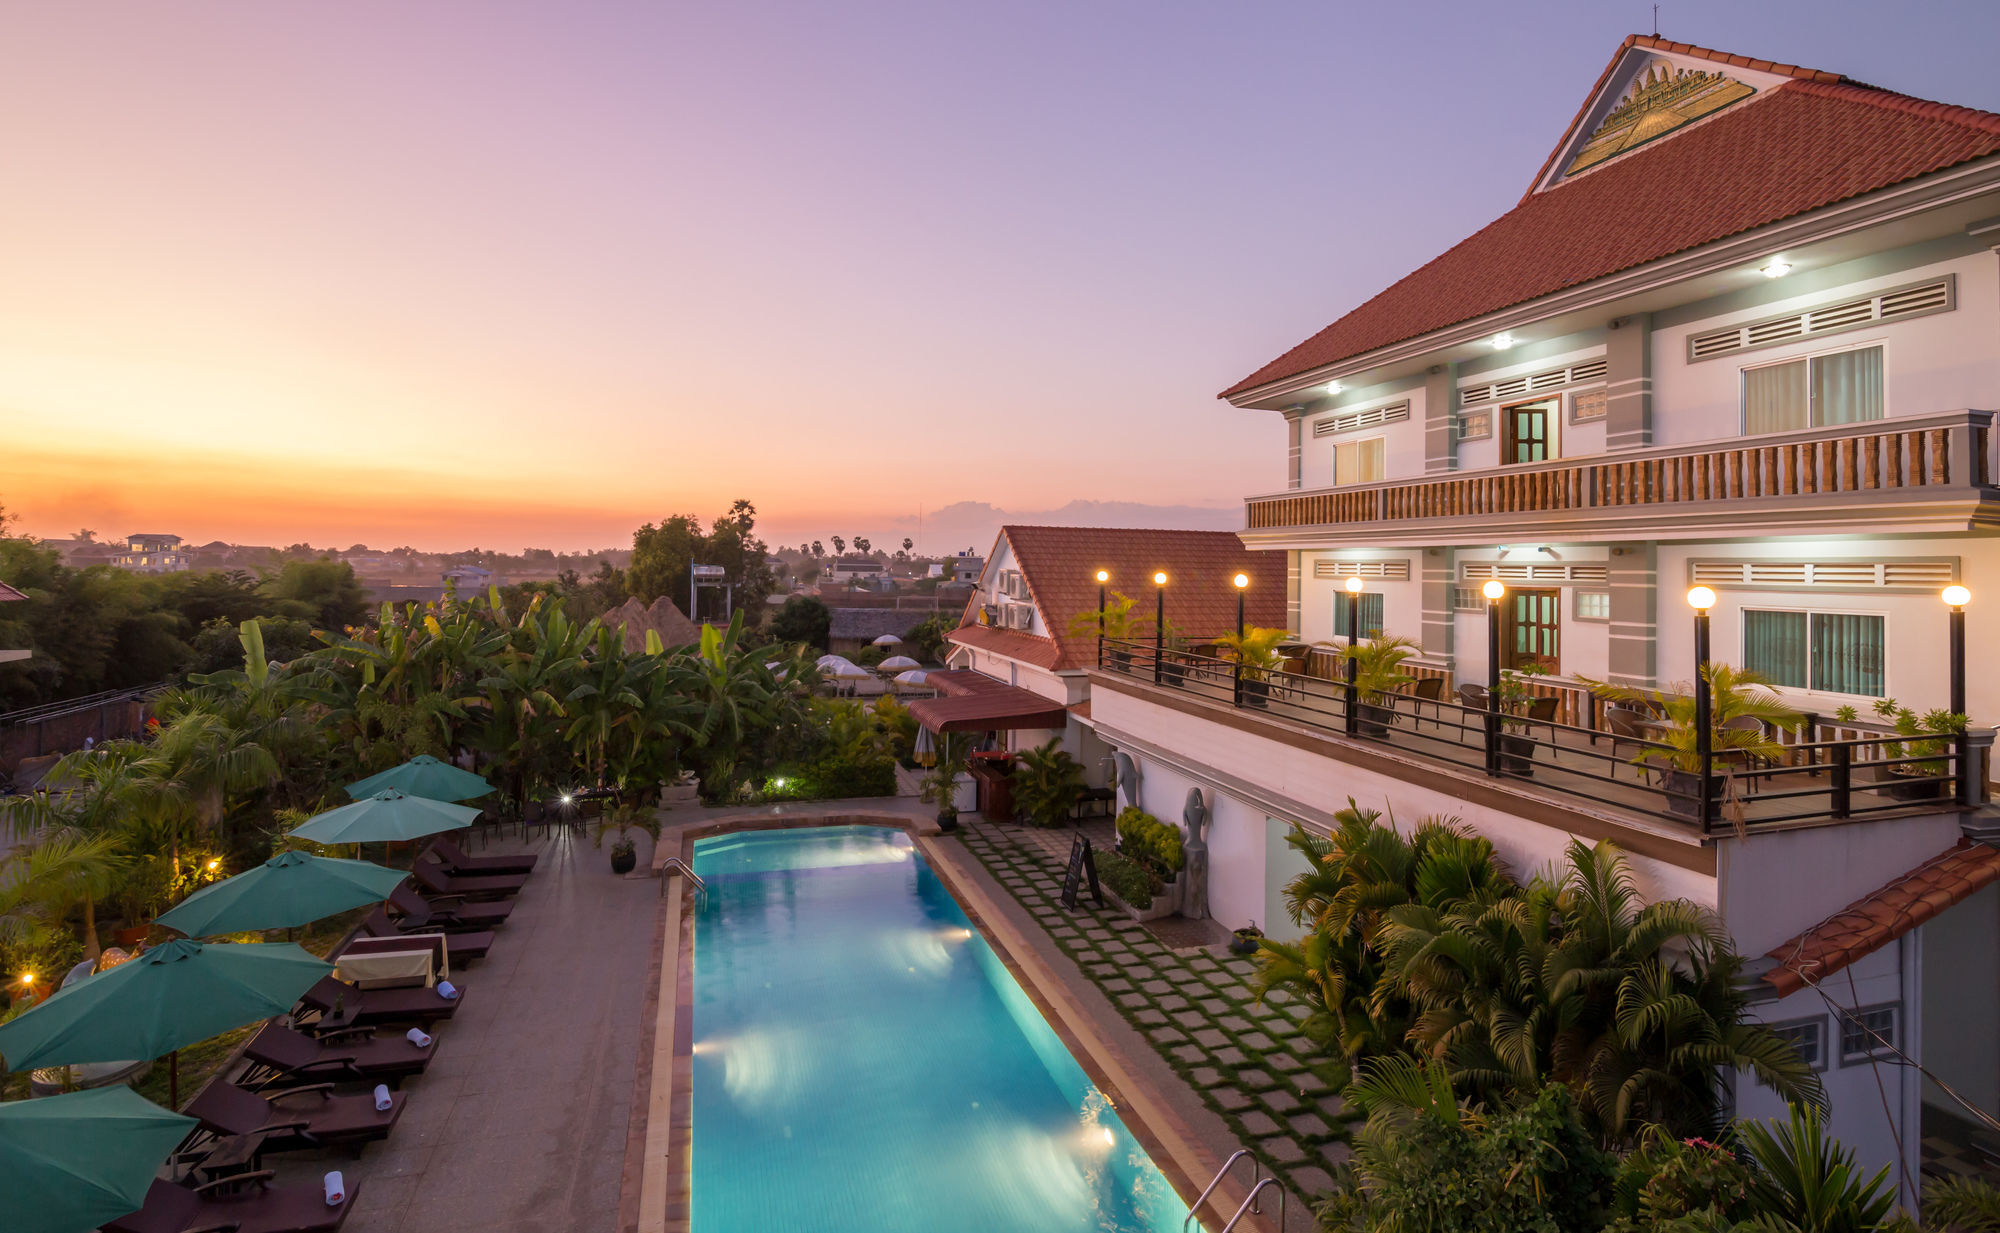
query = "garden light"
x=1957 y=596
x=1354 y=584
x=1493 y=589
x=1241 y=580
x=1103 y=576
x=1701 y=599
x=27 y=978
x=1160 y=578
x=214 y=863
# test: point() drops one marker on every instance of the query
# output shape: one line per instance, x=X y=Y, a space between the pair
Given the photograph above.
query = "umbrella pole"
x=174 y=1081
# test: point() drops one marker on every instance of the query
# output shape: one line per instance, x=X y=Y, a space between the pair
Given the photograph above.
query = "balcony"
x=1920 y=473
x=1830 y=771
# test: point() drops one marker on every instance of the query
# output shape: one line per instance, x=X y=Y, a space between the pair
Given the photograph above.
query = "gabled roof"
x=1808 y=143
x=868 y=624
x=1879 y=918
x=664 y=617
x=1060 y=565
x=9 y=593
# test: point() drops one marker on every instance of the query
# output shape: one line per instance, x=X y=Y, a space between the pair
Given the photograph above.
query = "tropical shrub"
x=829 y=779
x=1936 y=731
x=1126 y=878
x=1256 y=648
x=895 y=722
x=1666 y=1179
x=1733 y=693
x=1151 y=842
x=1047 y=783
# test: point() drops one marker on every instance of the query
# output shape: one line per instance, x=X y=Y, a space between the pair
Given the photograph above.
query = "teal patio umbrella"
x=70 y=1163
x=159 y=1002
x=424 y=776
x=287 y=891
x=389 y=816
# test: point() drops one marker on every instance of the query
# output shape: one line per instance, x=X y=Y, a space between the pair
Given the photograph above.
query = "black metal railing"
x=1816 y=780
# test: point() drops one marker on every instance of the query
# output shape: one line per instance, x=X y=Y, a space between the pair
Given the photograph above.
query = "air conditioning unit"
x=1020 y=616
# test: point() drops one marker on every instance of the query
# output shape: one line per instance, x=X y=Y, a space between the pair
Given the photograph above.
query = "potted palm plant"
x=1047 y=784
x=625 y=817
x=1935 y=733
x=1517 y=746
x=1378 y=672
x=940 y=787
x=1117 y=625
x=1733 y=694
x=1256 y=650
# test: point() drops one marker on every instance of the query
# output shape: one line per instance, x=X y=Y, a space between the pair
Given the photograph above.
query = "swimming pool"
x=864 y=1061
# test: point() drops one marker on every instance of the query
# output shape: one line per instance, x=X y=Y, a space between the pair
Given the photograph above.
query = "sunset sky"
x=477 y=272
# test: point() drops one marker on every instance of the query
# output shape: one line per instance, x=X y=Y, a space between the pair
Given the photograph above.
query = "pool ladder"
x=1250 y=1205
x=676 y=865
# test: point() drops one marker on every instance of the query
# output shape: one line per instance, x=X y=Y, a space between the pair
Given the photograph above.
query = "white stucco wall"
x=1402 y=443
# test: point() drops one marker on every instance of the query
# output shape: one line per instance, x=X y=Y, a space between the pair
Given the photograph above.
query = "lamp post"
x=1242 y=582
x=1494 y=591
x=1159 y=622
x=1103 y=576
x=1701 y=599
x=1352 y=692
x=1968 y=784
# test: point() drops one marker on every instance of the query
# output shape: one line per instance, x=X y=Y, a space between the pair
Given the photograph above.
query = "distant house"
x=9 y=595
x=469 y=577
x=854 y=629
x=152 y=554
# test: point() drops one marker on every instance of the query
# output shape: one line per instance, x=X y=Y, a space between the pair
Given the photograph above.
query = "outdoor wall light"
x=1493 y=589
x=1333 y=388
x=1160 y=578
x=1956 y=596
x=1778 y=267
x=1103 y=576
x=567 y=799
x=1701 y=599
x=1354 y=584
x=1502 y=341
x=1241 y=581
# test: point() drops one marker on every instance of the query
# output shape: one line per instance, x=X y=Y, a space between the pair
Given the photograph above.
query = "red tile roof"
x=9 y=593
x=1810 y=142
x=1061 y=564
x=1874 y=921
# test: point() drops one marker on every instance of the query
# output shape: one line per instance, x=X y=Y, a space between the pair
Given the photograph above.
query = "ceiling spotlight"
x=1502 y=341
x=1334 y=387
x=1777 y=268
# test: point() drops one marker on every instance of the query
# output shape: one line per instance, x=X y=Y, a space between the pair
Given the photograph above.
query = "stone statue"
x=1194 y=899
x=1128 y=780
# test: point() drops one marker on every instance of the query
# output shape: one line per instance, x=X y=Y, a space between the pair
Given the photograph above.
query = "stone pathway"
x=1249 y=1062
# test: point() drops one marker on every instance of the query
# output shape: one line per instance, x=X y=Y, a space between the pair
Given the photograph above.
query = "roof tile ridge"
x=1891 y=100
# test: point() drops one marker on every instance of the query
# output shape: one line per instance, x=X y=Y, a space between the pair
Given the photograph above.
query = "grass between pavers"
x=1198 y=1013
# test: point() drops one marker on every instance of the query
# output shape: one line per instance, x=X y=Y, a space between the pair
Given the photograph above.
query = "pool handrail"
x=1256 y=1172
x=675 y=864
x=1249 y=1204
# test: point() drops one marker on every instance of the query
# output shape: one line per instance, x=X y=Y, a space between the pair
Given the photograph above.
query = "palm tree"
x=40 y=880
x=525 y=691
x=731 y=695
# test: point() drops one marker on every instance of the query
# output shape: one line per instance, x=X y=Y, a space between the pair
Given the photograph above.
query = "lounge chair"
x=369 y=1007
x=447 y=912
x=282 y=1057
x=460 y=948
x=433 y=880
x=457 y=861
x=298 y=1119
x=239 y=1203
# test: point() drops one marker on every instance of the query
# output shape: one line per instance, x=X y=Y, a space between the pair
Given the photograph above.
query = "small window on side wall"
x=1808 y=1036
x=1869 y=1032
x=1358 y=462
x=1589 y=405
x=1370 y=613
x=1475 y=425
x=1593 y=605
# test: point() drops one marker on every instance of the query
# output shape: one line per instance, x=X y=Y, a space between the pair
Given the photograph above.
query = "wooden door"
x=1528 y=432
x=1534 y=630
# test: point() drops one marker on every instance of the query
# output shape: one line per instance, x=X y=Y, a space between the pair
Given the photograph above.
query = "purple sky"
x=530 y=273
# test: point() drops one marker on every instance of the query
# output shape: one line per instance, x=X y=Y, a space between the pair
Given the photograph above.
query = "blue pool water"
x=863 y=1061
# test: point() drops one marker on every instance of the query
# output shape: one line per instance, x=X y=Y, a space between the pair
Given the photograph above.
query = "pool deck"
x=1183 y=1127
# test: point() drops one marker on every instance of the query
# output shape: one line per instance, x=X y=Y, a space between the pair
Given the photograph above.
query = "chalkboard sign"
x=1082 y=865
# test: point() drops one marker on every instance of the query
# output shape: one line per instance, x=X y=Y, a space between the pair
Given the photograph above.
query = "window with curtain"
x=1833 y=652
x=1844 y=387
x=1358 y=462
x=1371 y=615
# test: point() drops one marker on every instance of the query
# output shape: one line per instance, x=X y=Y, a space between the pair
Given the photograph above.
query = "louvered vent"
x=1554 y=378
x=1351 y=420
x=1915 y=300
x=1853 y=575
x=1388 y=571
x=1535 y=571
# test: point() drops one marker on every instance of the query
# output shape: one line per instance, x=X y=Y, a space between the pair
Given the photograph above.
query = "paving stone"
x=1166 y=1035
x=1336 y=1153
x=1104 y=971
x=1132 y=999
x=1308 y=1126
x=1311 y=1182
x=1283 y=1061
x=1215 y=1006
x=1277 y=997
x=1255 y=1080
x=1202 y=964
x=1171 y=1002
x=1193 y=1055
x=1149 y=1017
x=1212 y=1038
x=1232 y=1056
x=1298 y=1014
x=1258 y=1125
x=1280 y=1101
x=1205 y=1076
x=1309 y=1084
x=1231 y=1099
x=1332 y=1106
x=1253 y=1040
x=1157 y=987
x=1283 y=1151
x=1302 y=1045
x=1117 y=984
x=1233 y=1024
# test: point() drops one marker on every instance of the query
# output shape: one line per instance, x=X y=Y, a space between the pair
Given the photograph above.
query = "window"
x=1475 y=425
x=1868 y=1032
x=1843 y=387
x=1467 y=599
x=1832 y=652
x=1371 y=615
x=1589 y=405
x=1808 y=1036
x=1593 y=605
x=1358 y=462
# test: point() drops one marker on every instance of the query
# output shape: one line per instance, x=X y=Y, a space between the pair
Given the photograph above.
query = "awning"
x=975 y=702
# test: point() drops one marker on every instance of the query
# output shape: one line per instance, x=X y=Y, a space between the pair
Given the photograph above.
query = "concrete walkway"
x=522 y=1121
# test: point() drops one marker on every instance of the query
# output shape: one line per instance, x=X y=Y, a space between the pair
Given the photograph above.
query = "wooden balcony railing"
x=1927 y=452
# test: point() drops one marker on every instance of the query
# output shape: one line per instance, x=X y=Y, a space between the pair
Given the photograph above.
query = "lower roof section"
x=974 y=702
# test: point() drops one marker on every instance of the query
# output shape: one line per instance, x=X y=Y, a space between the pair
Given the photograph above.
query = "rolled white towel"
x=382 y=1098
x=447 y=990
x=336 y=1189
x=418 y=1037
